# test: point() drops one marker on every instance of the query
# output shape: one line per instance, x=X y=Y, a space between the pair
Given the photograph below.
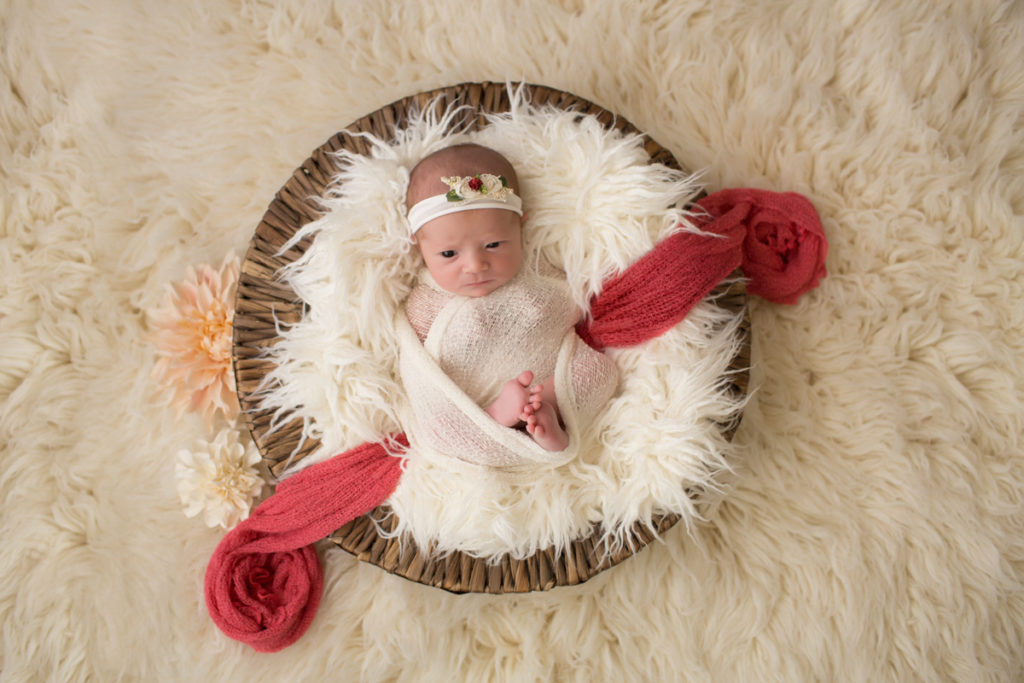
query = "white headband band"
x=467 y=193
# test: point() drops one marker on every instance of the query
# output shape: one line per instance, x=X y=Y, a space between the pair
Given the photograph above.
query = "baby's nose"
x=476 y=263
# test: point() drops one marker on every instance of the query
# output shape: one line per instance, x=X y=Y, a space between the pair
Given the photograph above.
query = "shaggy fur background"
x=875 y=531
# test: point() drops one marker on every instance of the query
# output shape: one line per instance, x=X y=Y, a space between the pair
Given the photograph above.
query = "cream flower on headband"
x=477 y=186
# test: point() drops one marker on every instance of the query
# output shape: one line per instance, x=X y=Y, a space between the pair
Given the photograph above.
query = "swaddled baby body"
x=496 y=327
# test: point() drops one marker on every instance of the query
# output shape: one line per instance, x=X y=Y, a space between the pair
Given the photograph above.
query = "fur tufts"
x=595 y=205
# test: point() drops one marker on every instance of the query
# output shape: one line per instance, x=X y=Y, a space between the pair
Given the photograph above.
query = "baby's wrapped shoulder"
x=423 y=305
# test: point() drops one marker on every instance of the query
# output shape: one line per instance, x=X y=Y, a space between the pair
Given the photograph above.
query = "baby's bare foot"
x=508 y=409
x=533 y=403
x=543 y=426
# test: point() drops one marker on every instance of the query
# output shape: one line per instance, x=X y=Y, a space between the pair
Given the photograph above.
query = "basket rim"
x=262 y=304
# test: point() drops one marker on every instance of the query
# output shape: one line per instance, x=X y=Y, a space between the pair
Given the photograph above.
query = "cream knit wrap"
x=477 y=344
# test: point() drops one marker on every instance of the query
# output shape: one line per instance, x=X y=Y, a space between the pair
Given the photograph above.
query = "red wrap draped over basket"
x=264 y=581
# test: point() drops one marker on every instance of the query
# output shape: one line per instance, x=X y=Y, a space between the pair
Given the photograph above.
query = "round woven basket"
x=263 y=303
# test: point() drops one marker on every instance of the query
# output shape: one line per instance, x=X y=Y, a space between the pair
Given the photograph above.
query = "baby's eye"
x=492 y=245
x=448 y=253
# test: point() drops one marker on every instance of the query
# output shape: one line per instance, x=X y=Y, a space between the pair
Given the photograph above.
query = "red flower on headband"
x=475 y=184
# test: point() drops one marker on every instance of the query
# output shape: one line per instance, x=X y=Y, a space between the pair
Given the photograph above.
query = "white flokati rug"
x=594 y=204
x=875 y=526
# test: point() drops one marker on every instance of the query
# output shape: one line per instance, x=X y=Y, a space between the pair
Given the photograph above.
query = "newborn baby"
x=493 y=325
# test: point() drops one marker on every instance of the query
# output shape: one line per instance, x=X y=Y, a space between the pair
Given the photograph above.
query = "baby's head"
x=468 y=229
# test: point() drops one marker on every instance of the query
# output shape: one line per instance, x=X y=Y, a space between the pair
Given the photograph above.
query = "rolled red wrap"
x=264 y=581
x=776 y=239
x=784 y=248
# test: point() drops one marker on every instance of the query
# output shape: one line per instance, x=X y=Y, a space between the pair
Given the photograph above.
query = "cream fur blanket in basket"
x=594 y=205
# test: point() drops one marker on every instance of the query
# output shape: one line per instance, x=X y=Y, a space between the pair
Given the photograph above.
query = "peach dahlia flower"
x=192 y=336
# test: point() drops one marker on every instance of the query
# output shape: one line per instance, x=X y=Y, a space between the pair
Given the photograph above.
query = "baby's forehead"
x=475 y=224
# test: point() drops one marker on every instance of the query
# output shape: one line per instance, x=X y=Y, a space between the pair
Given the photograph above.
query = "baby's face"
x=472 y=253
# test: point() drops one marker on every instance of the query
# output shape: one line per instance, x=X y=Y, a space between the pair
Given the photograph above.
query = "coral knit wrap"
x=264 y=580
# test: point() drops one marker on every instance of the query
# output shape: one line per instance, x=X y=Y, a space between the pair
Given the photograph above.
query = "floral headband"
x=480 y=191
